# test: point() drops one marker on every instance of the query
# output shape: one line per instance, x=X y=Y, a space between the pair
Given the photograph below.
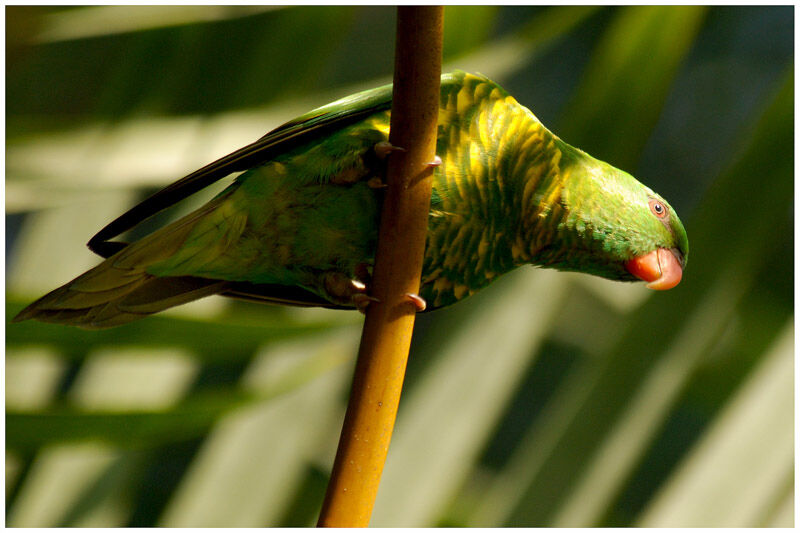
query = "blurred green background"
x=548 y=399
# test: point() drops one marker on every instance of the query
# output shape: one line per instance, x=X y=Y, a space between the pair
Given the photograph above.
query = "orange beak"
x=660 y=268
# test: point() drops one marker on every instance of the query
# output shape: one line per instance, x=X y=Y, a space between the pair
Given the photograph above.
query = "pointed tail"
x=119 y=290
x=93 y=305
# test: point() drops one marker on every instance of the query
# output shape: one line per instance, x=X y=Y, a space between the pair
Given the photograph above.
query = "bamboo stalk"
x=388 y=327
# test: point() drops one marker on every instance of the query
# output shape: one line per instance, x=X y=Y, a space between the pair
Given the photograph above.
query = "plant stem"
x=388 y=327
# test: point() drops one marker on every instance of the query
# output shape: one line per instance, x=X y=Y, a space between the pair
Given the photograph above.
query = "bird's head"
x=661 y=263
x=617 y=228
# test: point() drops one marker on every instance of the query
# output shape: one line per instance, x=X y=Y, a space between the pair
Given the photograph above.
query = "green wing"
x=306 y=128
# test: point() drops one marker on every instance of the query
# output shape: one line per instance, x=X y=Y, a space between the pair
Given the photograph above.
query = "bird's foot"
x=343 y=290
x=417 y=301
x=362 y=301
x=384 y=149
x=437 y=161
x=376 y=183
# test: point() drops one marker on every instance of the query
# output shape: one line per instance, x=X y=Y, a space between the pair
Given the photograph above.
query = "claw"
x=419 y=303
x=437 y=161
x=376 y=183
x=362 y=301
x=384 y=148
x=341 y=289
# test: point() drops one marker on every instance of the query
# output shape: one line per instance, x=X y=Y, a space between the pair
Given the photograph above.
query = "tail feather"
x=105 y=309
x=119 y=290
x=105 y=278
x=73 y=296
x=158 y=294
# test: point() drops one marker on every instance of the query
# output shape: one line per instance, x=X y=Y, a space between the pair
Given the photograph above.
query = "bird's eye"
x=658 y=208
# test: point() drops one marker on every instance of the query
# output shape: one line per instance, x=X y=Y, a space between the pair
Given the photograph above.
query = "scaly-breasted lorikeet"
x=299 y=226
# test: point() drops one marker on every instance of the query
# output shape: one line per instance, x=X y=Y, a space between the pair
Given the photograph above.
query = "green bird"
x=300 y=225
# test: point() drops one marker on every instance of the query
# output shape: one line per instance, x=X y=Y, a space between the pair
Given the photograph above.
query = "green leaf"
x=231 y=339
x=190 y=418
x=629 y=75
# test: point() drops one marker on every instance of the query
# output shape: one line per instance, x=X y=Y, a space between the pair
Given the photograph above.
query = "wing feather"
x=304 y=129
